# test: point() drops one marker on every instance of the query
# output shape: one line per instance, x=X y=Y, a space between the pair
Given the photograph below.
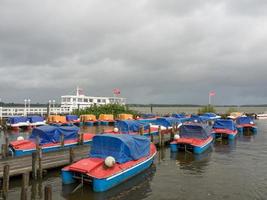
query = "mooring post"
x=34 y=165
x=159 y=132
x=82 y=139
x=3 y=149
x=48 y=192
x=7 y=144
x=172 y=132
x=71 y=155
x=62 y=140
x=141 y=130
x=151 y=134
x=5 y=181
x=40 y=167
x=24 y=186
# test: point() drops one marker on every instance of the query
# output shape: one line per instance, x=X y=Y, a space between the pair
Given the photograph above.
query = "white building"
x=81 y=101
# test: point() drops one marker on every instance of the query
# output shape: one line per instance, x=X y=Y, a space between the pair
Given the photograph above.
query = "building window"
x=80 y=100
x=85 y=100
x=98 y=100
x=91 y=100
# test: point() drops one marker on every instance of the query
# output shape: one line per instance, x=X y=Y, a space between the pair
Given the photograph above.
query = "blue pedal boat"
x=193 y=137
x=113 y=159
x=225 y=128
x=246 y=123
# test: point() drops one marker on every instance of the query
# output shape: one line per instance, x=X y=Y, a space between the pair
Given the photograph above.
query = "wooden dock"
x=60 y=158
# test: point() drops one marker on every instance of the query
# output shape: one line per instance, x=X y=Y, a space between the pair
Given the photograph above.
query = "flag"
x=212 y=93
x=116 y=91
x=80 y=91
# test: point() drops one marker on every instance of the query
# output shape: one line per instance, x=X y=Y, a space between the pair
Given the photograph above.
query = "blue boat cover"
x=33 y=119
x=199 y=131
x=180 y=115
x=52 y=134
x=122 y=147
x=167 y=121
x=244 y=120
x=149 y=115
x=127 y=126
x=17 y=119
x=224 y=124
x=209 y=115
x=71 y=117
x=198 y=119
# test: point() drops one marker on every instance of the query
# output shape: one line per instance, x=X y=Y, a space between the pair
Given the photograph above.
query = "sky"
x=154 y=51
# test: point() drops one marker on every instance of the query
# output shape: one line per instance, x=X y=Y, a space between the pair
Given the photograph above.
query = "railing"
x=22 y=111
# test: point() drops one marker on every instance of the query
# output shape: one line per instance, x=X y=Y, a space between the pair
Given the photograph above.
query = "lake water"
x=235 y=171
x=189 y=110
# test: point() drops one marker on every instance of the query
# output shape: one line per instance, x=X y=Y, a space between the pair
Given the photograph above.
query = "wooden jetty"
x=54 y=159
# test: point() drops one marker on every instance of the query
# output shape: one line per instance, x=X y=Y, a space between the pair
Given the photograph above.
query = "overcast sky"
x=155 y=51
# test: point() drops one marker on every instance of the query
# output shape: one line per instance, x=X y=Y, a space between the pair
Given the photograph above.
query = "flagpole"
x=209 y=99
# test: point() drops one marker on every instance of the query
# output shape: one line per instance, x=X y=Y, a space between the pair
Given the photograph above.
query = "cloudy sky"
x=155 y=51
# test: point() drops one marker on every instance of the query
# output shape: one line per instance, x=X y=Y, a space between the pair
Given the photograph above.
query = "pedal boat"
x=193 y=137
x=113 y=159
x=49 y=139
x=246 y=123
x=225 y=128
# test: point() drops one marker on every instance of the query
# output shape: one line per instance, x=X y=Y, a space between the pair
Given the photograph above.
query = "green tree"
x=205 y=109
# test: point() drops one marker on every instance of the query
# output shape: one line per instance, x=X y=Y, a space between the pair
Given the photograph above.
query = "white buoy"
x=20 y=138
x=176 y=136
x=110 y=161
x=116 y=130
x=195 y=120
x=251 y=122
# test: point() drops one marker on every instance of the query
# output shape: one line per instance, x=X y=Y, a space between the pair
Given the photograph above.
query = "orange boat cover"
x=125 y=117
x=56 y=119
x=106 y=117
x=85 y=118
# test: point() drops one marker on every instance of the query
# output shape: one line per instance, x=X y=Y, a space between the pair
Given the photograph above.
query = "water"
x=164 y=110
x=235 y=170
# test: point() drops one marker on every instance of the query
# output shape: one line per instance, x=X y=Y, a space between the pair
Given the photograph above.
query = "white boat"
x=261 y=116
x=80 y=100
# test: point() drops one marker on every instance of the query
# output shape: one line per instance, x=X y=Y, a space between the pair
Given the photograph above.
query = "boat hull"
x=23 y=152
x=101 y=185
x=197 y=149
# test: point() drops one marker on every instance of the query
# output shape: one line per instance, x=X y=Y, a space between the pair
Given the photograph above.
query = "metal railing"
x=22 y=111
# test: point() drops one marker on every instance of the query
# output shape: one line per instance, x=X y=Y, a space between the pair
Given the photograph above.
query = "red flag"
x=212 y=93
x=116 y=91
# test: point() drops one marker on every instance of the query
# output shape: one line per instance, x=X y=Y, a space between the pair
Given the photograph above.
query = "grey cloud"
x=154 y=51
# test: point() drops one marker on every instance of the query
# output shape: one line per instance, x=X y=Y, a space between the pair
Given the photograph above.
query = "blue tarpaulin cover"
x=149 y=115
x=127 y=126
x=181 y=115
x=71 y=117
x=33 y=119
x=52 y=134
x=17 y=119
x=195 y=131
x=224 y=124
x=198 y=119
x=209 y=115
x=166 y=121
x=244 y=120
x=122 y=147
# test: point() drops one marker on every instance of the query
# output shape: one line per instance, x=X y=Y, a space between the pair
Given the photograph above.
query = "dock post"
x=160 y=136
x=34 y=165
x=3 y=148
x=172 y=132
x=40 y=167
x=24 y=187
x=150 y=134
x=48 y=192
x=7 y=144
x=62 y=140
x=5 y=181
x=71 y=155
x=82 y=139
x=141 y=130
